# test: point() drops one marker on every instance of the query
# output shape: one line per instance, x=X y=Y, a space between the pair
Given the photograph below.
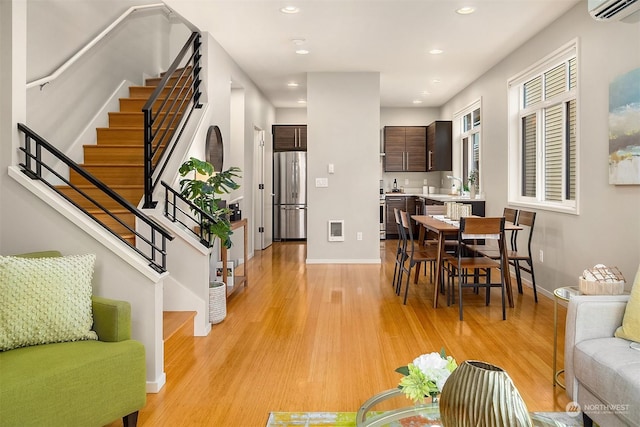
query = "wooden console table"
x=237 y=280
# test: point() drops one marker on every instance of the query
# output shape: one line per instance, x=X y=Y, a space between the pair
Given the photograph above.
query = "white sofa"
x=602 y=372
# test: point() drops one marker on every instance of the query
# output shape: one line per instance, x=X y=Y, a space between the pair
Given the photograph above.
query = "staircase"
x=117 y=159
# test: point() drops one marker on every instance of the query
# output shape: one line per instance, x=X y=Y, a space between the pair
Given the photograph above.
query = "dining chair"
x=400 y=252
x=431 y=238
x=490 y=248
x=522 y=260
x=479 y=266
x=415 y=254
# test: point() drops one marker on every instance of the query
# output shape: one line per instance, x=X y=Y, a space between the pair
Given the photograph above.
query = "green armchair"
x=79 y=383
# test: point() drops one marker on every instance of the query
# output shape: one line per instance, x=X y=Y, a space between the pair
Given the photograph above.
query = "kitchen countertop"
x=438 y=197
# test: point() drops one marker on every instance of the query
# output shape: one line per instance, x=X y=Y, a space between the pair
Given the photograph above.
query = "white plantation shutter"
x=529 y=156
x=532 y=92
x=555 y=81
x=573 y=73
x=571 y=149
x=553 y=152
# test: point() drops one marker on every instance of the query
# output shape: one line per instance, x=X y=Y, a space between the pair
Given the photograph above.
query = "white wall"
x=343 y=111
x=607 y=230
x=58 y=29
x=291 y=116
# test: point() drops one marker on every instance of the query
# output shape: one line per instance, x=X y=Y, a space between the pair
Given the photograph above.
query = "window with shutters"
x=543 y=139
x=469 y=120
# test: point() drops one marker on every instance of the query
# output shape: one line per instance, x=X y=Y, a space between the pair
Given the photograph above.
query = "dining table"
x=445 y=227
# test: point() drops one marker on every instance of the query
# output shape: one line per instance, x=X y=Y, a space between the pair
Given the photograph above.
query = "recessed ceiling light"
x=465 y=10
x=292 y=84
x=417 y=101
x=302 y=51
x=302 y=101
x=290 y=9
x=426 y=92
x=299 y=41
x=436 y=51
x=436 y=81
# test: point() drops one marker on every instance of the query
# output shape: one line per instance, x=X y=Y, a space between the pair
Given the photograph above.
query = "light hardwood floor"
x=327 y=337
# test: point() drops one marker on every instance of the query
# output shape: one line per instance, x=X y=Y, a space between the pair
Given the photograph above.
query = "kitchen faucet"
x=456 y=178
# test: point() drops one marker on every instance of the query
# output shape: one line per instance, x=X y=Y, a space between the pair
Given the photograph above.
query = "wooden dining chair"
x=522 y=259
x=400 y=252
x=471 y=269
x=431 y=238
x=490 y=248
x=415 y=254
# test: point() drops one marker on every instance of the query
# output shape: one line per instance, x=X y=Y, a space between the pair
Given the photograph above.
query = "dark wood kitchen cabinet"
x=405 y=148
x=439 y=145
x=289 y=137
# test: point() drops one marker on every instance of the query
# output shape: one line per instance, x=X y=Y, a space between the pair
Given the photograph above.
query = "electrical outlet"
x=406 y=181
x=541 y=256
x=359 y=235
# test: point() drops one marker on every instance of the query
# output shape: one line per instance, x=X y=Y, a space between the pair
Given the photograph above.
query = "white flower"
x=434 y=367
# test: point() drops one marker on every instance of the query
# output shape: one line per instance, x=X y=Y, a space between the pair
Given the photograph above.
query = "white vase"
x=217 y=302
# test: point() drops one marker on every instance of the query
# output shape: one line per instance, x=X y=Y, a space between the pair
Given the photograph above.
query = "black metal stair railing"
x=151 y=246
x=178 y=208
x=180 y=88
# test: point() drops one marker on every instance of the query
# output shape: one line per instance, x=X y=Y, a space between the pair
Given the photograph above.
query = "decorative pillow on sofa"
x=630 y=329
x=45 y=300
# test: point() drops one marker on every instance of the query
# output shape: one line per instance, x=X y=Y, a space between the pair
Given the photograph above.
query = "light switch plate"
x=322 y=182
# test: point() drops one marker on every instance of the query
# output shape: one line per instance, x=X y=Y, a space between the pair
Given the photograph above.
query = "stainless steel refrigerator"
x=290 y=199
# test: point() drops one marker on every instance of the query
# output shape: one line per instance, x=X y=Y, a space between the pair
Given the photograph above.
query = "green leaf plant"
x=203 y=187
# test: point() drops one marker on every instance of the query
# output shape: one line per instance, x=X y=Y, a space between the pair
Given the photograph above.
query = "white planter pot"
x=217 y=302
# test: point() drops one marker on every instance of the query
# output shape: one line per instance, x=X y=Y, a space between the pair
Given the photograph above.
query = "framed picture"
x=624 y=129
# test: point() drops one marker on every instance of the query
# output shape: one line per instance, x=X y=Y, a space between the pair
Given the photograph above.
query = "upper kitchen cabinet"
x=289 y=137
x=405 y=148
x=439 y=146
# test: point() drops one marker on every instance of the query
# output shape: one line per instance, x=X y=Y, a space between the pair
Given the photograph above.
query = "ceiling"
x=392 y=37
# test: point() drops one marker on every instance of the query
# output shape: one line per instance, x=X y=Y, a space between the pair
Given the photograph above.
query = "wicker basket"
x=217 y=302
x=603 y=280
x=588 y=287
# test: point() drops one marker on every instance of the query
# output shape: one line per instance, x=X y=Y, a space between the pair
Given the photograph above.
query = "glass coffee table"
x=428 y=414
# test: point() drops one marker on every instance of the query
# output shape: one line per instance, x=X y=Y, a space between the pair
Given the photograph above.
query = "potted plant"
x=203 y=188
x=473 y=182
x=202 y=185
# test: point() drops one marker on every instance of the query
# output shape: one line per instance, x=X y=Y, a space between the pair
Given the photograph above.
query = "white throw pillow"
x=45 y=300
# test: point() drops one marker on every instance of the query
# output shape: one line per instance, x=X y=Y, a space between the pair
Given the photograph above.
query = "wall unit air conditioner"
x=614 y=10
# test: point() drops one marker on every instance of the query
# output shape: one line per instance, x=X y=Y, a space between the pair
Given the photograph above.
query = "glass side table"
x=565 y=294
x=427 y=414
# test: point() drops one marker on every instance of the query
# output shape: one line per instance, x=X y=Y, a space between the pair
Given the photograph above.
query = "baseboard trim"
x=156 y=386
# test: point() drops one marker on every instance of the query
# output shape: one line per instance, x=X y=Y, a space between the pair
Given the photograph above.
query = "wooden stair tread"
x=85 y=165
x=120 y=186
x=173 y=321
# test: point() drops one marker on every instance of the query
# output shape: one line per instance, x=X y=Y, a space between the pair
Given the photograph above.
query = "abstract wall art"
x=624 y=129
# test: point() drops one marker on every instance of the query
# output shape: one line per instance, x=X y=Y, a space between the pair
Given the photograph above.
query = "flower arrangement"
x=426 y=375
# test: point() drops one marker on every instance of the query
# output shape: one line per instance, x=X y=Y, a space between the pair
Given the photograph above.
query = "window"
x=469 y=122
x=543 y=138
